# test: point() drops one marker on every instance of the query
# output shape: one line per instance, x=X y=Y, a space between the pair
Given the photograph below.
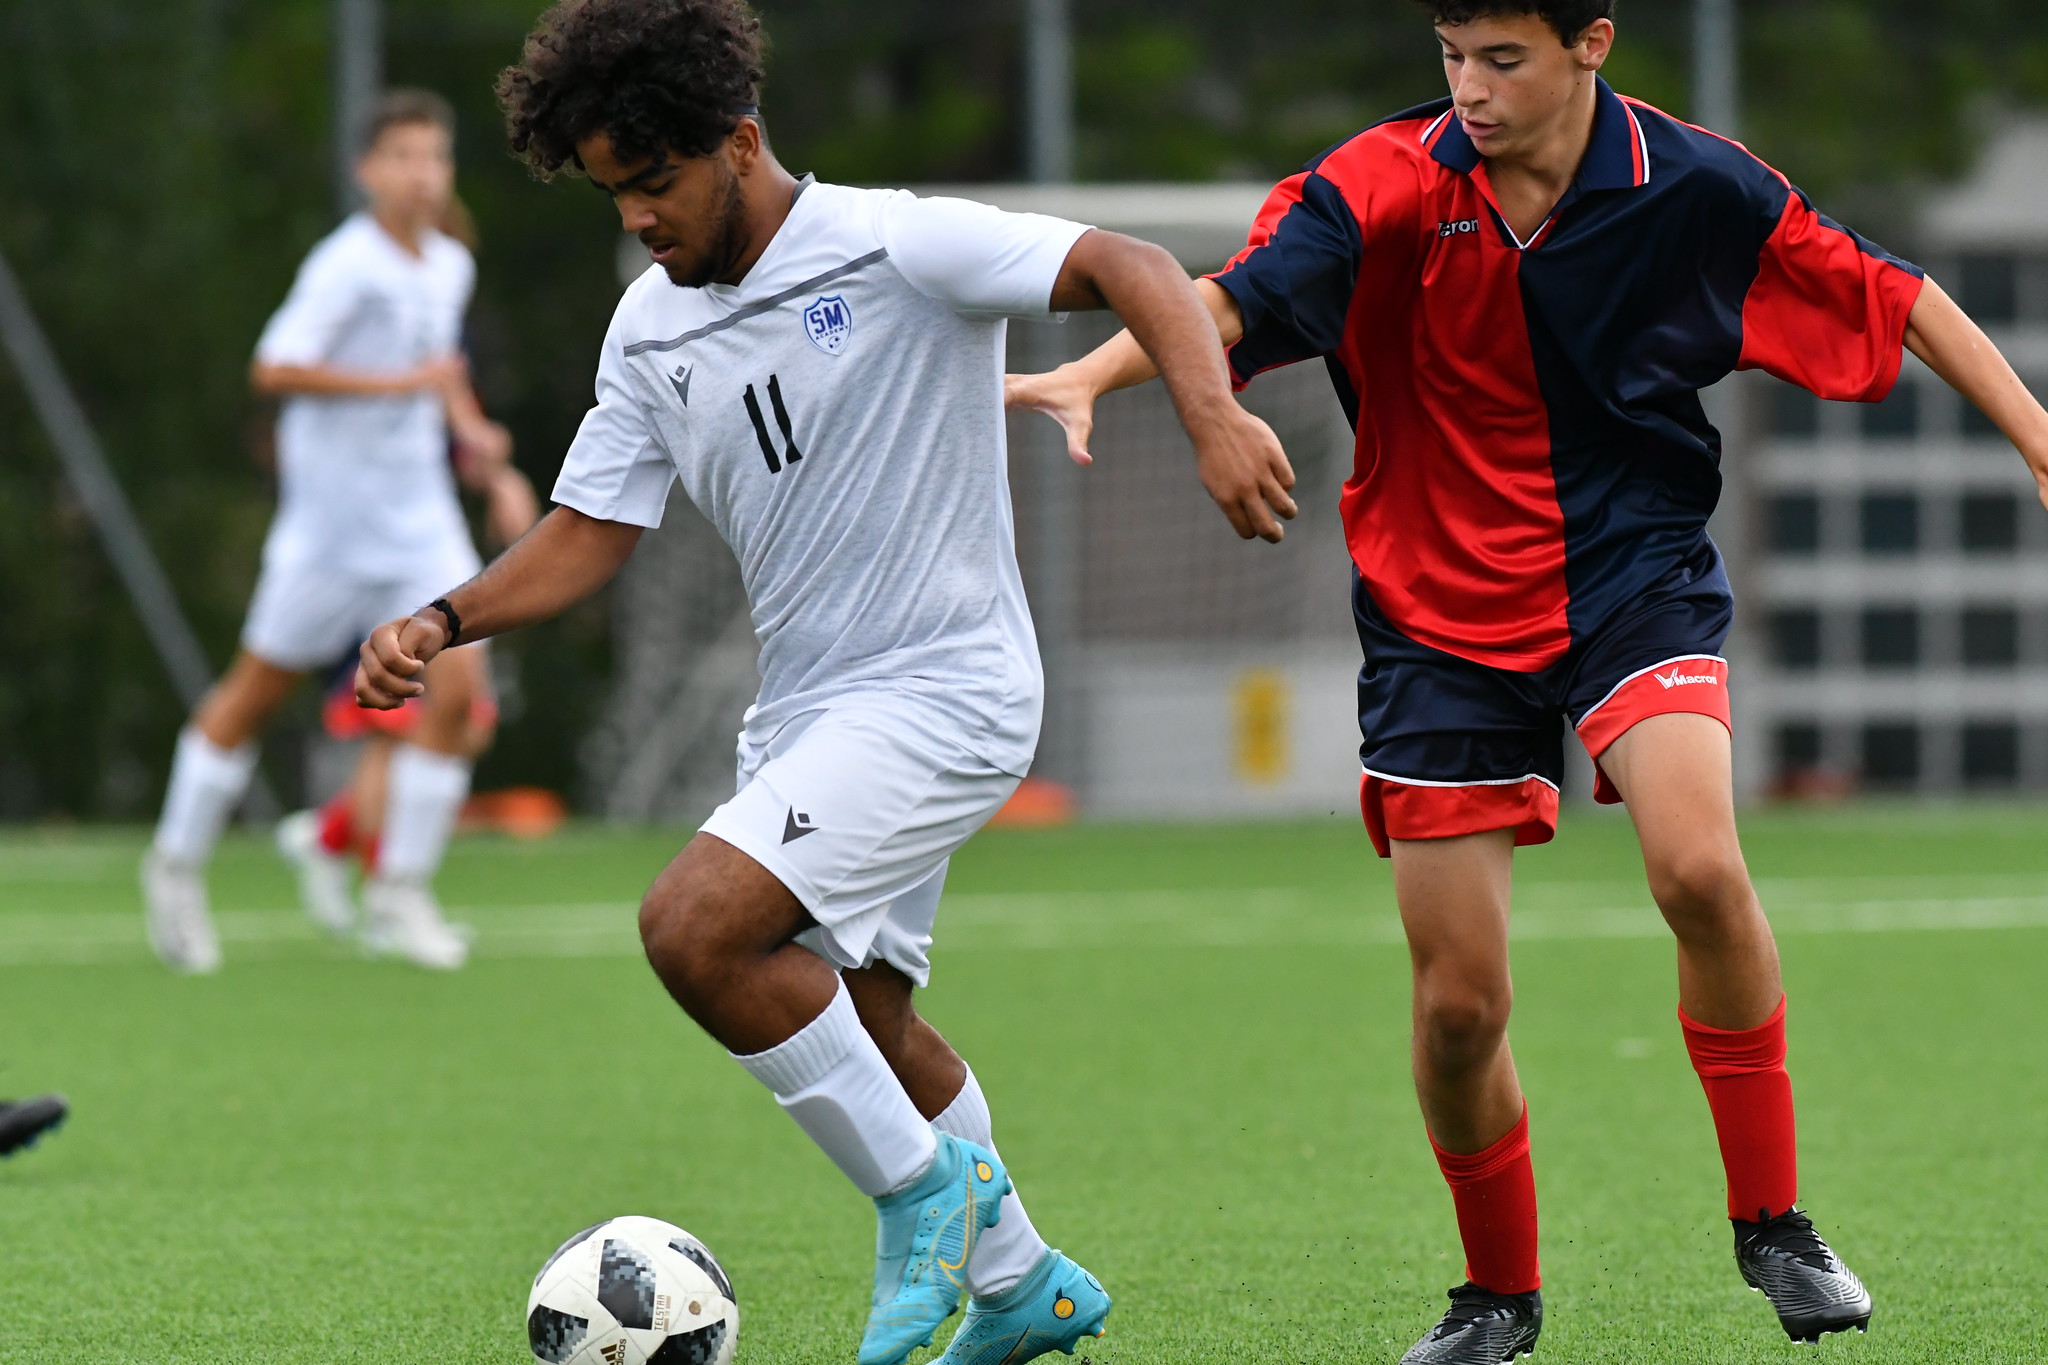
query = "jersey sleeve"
x=977 y=259
x=307 y=324
x=1828 y=309
x=1296 y=277
x=615 y=469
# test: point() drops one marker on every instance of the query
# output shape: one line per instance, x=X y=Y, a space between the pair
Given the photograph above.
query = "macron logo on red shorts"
x=1677 y=679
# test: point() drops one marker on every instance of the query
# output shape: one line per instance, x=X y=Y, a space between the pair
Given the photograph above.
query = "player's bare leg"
x=1028 y=1300
x=427 y=783
x=1454 y=899
x=720 y=931
x=1676 y=774
x=1453 y=896
x=241 y=704
x=216 y=758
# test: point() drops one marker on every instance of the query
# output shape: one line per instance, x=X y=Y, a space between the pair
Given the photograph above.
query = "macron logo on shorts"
x=1677 y=679
x=796 y=825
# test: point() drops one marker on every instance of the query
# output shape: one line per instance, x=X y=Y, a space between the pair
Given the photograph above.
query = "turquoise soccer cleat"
x=925 y=1237
x=1051 y=1309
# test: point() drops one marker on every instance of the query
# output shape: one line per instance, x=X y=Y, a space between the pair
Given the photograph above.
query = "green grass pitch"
x=1195 y=1043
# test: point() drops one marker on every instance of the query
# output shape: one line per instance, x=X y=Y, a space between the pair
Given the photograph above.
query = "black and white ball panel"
x=696 y=1251
x=632 y=1291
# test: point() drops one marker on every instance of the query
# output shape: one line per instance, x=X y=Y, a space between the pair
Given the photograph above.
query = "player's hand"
x=1246 y=472
x=395 y=658
x=481 y=449
x=445 y=376
x=1061 y=395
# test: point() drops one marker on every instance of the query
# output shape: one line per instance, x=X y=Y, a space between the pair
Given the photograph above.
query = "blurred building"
x=1899 y=590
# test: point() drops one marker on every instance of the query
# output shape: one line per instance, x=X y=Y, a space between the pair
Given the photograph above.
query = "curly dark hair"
x=655 y=76
x=1567 y=18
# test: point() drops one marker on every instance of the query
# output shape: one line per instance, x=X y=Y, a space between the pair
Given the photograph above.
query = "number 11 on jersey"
x=791 y=454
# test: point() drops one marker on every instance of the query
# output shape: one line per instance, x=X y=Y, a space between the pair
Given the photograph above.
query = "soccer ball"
x=634 y=1291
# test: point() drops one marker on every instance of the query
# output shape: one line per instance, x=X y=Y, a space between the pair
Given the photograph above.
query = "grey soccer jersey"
x=838 y=416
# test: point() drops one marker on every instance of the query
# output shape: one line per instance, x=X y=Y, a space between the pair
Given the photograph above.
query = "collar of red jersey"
x=1617 y=159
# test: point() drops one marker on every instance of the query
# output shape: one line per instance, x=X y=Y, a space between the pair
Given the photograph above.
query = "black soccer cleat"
x=1481 y=1328
x=1814 y=1293
x=24 y=1122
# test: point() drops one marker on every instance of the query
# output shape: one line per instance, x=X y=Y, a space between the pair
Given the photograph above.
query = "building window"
x=1891 y=637
x=1991 y=523
x=1991 y=754
x=1891 y=523
x=1798 y=748
x=1891 y=755
x=1991 y=288
x=1794 y=412
x=1991 y=637
x=1795 y=638
x=1795 y=524
x=1896 y=418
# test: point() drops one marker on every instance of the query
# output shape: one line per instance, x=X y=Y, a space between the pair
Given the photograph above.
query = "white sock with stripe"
x=832 y=1079
x=1010 y=1250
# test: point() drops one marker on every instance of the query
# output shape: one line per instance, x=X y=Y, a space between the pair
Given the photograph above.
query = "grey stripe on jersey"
x=761 y=306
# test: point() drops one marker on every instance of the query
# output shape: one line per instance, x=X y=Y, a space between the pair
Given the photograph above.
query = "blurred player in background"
x=1520 y=291
x=365 y=353
x=23 y=1123
x=821 y=368
x=326 y=846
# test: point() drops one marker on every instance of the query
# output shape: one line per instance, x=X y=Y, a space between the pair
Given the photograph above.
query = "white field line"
x=1269 y=917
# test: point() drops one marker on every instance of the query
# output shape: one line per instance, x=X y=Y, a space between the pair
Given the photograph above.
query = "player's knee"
x=681 y=945
x=1700 y=888
x=1462 y=1025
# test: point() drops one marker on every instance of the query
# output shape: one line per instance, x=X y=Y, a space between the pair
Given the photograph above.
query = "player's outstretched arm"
x=328 y=381
x=1173 y=331
x=560 y=562
x=1954 y=347
x=1068 y=394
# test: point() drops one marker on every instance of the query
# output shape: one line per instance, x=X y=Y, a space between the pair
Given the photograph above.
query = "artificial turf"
x=1195 y=1043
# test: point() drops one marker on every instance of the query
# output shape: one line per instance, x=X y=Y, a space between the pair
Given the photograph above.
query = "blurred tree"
x=162 y=172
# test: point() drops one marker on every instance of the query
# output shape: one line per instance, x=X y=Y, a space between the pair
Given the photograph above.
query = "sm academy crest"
x=829 y=324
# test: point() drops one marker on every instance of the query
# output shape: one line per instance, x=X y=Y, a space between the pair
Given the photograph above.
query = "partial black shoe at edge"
x=1481 y=1328
x=23 y=1122
x=1812 y=1291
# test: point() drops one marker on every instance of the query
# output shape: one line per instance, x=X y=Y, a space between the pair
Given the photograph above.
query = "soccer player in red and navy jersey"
x=1519 y=292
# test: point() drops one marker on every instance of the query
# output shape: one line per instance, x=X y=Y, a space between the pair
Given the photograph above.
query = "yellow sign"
x=1262 y=706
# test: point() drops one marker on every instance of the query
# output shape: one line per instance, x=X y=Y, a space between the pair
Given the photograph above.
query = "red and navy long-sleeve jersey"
x=1531 y=448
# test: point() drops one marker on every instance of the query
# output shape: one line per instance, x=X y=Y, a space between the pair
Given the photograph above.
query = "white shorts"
x=857 y=813
x=306 y=615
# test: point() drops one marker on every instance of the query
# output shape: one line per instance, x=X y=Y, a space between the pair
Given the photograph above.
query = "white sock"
x=207 y=783
x=832 y=1080
x=1008 y=1251
x=424 y=798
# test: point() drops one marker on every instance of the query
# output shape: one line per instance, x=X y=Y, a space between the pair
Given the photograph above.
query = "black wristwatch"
x=440 y=604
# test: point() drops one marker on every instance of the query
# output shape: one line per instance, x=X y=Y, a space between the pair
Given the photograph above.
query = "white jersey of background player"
x=826 y=384
x=365 y=353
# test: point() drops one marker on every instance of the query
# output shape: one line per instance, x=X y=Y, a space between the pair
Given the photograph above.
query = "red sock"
x=1495 y=1193
x=338 y=825
x=1743 y=1072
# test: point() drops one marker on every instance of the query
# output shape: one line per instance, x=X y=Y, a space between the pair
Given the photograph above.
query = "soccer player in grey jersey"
x=821 y=368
